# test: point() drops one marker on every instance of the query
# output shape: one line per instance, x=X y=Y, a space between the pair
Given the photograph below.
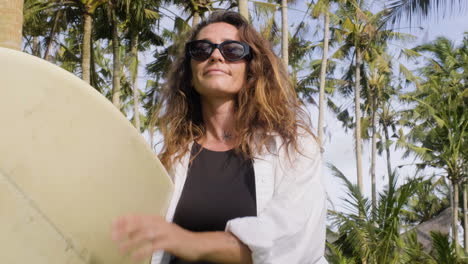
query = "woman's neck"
x=218 y=117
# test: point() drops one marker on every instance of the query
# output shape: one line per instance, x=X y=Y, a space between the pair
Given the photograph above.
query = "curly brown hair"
x=267 y=105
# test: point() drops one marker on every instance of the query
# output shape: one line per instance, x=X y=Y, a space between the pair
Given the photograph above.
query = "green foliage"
x=443 y=251
x=386 y=235
x=420 y=9
x=438 y=117
x=371 y=235
x=413 y=251
x=431 y=198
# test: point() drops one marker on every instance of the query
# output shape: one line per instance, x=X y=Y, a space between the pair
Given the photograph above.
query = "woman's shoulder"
x=305 y=140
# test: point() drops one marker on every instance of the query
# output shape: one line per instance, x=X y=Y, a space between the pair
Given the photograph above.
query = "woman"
x=246 y=167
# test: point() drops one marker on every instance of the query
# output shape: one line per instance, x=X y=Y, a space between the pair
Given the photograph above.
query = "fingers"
x=145 y=251
x=123 y=227
x=139 y=234
x=138 y=238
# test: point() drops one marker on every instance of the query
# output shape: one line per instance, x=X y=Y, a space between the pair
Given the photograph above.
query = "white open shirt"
x=291 y=206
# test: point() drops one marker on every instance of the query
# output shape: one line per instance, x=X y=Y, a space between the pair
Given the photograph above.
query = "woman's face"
x=217 y=77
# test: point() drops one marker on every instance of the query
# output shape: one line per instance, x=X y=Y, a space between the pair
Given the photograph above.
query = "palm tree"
x=378 y=94
x=35 y=25
x=378 y=78
x=362 y=32
x=112 y=7
x=430 y=199
x=444 y=251
x=140 y=17
x=465 y=218
x=264 y=14
x=43 y=20
x=88 y=7
x=419 y=8
x=86 y=10
x=352 y=27
x=244 y=8
x=439 y=131
x=57 y=26
x=158 y=70
x=284 y=32
x=323 y=7
x=11 y=19
x=387 y=235
x=367 y=236
x=387 y=119
x=198 y=9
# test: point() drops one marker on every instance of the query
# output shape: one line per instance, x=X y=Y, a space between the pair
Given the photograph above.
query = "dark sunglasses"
x=231 y=50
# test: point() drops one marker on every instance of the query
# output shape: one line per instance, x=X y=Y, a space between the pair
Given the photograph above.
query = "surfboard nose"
x=70 y=163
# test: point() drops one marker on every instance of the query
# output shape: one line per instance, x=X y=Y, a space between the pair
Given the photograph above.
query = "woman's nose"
x=216 y=55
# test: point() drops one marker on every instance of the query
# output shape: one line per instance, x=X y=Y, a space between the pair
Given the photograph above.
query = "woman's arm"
x=142 y=235
x=290 y=227
x=223 y=247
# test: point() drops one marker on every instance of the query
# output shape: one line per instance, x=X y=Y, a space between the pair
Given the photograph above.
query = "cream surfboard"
x=70 y=163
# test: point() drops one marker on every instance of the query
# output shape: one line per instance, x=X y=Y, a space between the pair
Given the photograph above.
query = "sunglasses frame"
x=245 y=55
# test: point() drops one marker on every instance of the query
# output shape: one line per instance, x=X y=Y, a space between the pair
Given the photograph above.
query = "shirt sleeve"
x=291 y=227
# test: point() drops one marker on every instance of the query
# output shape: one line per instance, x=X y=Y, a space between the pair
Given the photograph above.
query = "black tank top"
x=220 y=186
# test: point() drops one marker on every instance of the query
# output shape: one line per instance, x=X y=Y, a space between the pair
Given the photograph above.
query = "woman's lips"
x=214 y=72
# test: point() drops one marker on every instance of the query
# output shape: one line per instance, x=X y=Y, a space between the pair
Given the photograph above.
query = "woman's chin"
x=218 y=90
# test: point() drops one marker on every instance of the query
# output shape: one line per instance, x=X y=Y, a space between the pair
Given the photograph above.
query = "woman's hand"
x=141 y=235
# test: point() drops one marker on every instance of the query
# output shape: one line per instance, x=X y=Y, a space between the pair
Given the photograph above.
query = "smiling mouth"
x=215 y=72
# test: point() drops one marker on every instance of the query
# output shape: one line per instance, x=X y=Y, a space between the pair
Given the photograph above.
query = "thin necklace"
x=227 y=136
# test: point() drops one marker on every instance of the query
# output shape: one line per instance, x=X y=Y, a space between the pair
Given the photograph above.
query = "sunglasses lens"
x=233 y=51
x=200 y=50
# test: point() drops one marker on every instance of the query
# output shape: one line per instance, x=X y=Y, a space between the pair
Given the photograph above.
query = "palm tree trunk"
x=284 y=32
x=387 y=149
x=136 y=95
x=374 y=152
x=195 y=19
x=86 y=47
x=136 y=102
x=116 y=60
x=92 y=67
x=455 y=217
x=151 y=130
x=465 y=220
x=244 y=8
x=57 y=18
x=323 y=72
x=35 y=47
x=357 y=131
x=11 y=24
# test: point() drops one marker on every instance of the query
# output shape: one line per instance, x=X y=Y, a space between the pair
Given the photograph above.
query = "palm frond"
x=420 y=9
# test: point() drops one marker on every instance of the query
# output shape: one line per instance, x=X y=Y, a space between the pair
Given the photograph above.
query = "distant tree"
x=87 y=8
x=363 y=35
x=140 y=18
x=438 y=118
